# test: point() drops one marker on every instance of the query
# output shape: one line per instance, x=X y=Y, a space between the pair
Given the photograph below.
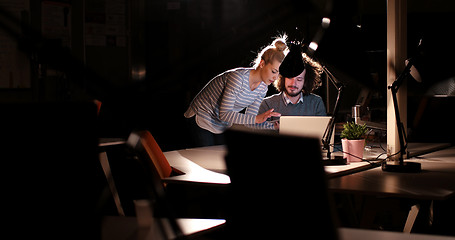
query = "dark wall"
x=173 y=48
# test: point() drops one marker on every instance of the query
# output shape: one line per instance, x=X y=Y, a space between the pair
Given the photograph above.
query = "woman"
x=217 y=106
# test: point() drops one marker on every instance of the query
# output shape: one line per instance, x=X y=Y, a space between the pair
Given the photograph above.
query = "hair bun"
x=280 y=45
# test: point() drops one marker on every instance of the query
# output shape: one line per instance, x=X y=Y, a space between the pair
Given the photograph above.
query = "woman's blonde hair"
x=277 y=50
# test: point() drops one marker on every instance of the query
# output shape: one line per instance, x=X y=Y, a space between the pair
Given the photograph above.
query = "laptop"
x=305 y=126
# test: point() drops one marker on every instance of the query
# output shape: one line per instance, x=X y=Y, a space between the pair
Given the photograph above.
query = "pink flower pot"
x=354 y=147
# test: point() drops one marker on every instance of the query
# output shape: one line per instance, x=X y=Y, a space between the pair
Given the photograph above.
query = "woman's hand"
x=263 y=116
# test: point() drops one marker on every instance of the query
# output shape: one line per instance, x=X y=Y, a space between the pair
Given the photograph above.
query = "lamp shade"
x=292 y=64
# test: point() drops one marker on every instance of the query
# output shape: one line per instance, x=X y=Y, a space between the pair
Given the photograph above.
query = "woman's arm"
x=227 y=113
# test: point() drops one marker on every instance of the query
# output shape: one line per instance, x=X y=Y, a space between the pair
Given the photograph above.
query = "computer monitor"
x=278 y=187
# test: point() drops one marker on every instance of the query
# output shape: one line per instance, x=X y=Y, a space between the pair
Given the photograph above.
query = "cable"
x=365 y=160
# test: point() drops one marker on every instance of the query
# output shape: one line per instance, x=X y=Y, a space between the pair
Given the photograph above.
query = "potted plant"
x=353 y=141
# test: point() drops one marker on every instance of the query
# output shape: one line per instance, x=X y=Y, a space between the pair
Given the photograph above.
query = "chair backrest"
x=142 y=143
x=278 y=187
x=147 y=143
x=98 y=104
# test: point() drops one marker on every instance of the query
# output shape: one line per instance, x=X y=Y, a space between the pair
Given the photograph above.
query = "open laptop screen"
x=305 y=126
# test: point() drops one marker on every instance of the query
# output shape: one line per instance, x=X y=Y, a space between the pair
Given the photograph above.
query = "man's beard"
x=293 y=94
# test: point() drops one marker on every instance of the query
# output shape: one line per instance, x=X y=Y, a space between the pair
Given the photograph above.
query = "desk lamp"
x=403 y=167
x=312 y=47
x=338 y=160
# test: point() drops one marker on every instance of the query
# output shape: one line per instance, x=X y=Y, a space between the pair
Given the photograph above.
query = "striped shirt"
x=217 y=106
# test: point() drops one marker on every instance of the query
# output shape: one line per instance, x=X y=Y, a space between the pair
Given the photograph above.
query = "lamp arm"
x=394 y=89
x=407 y=70
x=329 y=129
x=333 y=79
x=400 y=127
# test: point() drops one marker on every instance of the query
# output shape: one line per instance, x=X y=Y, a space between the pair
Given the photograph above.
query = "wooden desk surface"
x=183 y=160
x=211 y=158
x=361 y=234
x=342 y=170
x=122 y=228
x=446 y=155
x=196 y=160
x=435 y=182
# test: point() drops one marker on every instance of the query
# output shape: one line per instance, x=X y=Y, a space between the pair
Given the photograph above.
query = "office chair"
x=278 y=187
x=146 y=149
x=145 y=142
x=189 y=198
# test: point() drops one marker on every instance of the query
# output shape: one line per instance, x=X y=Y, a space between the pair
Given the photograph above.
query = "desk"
x=417 y=149
x=361 y=234
x=184 y=160
x=210 y=158
x=342 y=170
x=435 y=182
x=122 y=228
x=126 y=228
x=195 y=161
x=446 y=155
x=105 y=142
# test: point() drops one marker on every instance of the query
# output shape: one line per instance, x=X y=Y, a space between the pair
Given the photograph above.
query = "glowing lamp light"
x=313 y=46
x=325 y=22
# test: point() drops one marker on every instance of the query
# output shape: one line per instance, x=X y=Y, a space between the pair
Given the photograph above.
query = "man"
x=299 y=77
